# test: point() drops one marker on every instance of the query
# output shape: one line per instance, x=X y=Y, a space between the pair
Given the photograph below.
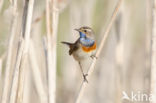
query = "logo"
x=138 y=96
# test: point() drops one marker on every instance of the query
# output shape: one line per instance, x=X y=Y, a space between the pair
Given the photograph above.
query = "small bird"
x=84 y=46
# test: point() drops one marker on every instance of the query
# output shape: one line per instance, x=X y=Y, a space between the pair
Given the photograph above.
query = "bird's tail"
x=71 y=46
x=67 y=43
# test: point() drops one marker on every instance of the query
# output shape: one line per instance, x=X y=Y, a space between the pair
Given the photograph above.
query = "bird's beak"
x=77 y=30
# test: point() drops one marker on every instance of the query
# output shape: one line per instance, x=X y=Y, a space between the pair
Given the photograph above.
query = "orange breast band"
x=88 y=49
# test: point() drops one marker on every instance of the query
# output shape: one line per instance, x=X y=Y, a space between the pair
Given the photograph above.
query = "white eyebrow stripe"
x=88 y=30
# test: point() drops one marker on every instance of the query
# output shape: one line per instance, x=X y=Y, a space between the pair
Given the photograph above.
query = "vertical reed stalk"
x=51 y=28
x=19 y=71
x=92 y=66
x=119 y=60
x=7 y=82
x=153 y=54
x=37 y=74
x=148 y=45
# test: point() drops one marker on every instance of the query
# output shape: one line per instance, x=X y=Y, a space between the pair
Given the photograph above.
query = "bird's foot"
x=93 y=56
x=84 y=77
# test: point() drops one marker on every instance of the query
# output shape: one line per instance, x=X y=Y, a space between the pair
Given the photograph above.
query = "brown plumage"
x=73 y=46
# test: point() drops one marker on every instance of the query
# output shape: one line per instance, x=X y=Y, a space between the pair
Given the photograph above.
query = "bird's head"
x=85 y=32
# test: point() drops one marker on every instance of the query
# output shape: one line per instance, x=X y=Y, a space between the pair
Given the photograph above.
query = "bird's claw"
x=93 y=56
x=84 y=77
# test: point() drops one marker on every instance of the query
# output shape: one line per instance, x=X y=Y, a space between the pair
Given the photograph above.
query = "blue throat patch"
x=82 y=35
x=86 y=41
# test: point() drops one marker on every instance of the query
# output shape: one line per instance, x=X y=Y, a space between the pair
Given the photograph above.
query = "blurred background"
x=123 y=65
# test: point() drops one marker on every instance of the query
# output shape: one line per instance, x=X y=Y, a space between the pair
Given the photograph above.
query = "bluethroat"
x=84 y=46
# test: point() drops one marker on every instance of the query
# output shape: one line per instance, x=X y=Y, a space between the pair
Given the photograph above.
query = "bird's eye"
x=85 y=31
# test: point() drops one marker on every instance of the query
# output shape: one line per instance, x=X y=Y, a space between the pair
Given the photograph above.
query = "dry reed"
x=153 y=54
x=51 y=28
x=19 y=71
x=37 y=74
x=7 y=81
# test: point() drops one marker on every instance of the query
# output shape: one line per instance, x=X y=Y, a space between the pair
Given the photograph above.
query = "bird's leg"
x=93 y=56
x=84 y=75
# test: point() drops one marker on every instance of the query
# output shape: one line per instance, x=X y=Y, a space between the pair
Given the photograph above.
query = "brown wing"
x=73 y=46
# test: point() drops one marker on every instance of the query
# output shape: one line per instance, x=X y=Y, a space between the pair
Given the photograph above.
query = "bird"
x=84 y=47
